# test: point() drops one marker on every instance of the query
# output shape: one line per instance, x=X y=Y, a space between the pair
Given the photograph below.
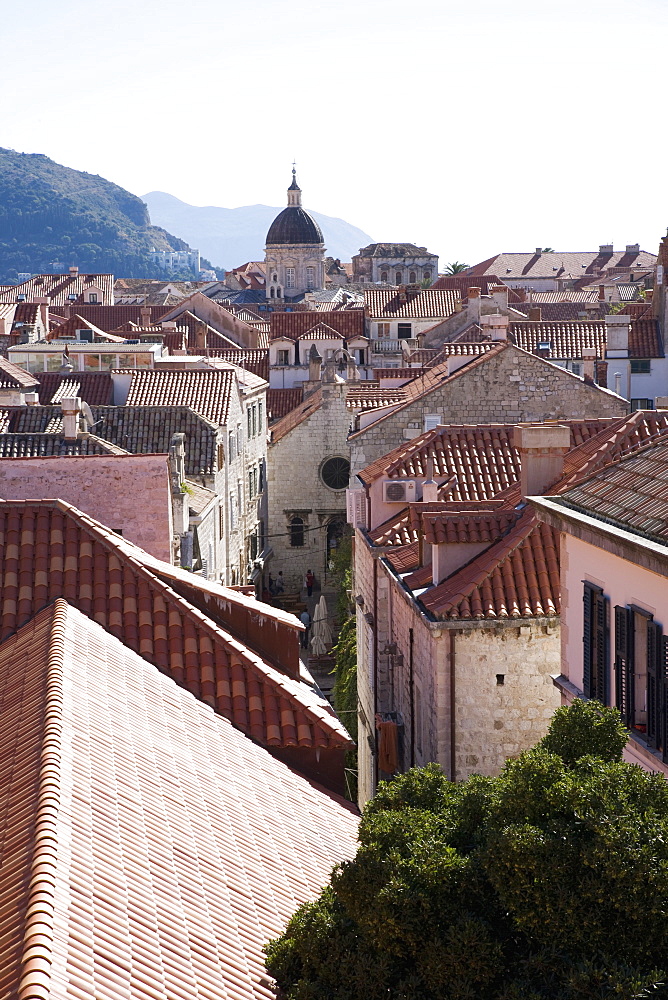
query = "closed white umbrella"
x=321 y=634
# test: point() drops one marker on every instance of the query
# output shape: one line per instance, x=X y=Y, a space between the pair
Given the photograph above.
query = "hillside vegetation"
x=52 y=217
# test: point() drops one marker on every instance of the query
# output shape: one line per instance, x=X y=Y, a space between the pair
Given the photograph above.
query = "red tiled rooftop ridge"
x=293 y=325
x=149 y=848
x=48 y=549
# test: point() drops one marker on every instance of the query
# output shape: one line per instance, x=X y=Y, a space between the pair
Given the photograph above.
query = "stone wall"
x=509 y=387
x=413 y=677
x=495 y=721
x=296 y=489
x=127 y=493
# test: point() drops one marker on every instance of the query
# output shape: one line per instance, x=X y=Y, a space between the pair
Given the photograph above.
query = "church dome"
x=294 y=224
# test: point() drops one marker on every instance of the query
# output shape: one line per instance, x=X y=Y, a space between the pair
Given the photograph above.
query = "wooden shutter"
x=663 y=715
x=587 y=630
x=596 y=643
x=624 y=664
x=655 y=656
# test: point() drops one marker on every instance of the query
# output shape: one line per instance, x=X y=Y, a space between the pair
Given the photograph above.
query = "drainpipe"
x=412 y=690
x=453 y=766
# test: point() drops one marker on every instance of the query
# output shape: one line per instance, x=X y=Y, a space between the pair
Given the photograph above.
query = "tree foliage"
x=549 y=882
x=456 y=267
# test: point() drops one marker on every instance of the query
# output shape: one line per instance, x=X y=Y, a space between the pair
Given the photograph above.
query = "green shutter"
x=654 y=682
x=624 y=664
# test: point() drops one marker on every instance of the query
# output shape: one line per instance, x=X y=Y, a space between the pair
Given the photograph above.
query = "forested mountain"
x=52 y=217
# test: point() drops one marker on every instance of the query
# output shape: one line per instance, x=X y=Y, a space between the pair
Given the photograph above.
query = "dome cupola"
x=294 y=225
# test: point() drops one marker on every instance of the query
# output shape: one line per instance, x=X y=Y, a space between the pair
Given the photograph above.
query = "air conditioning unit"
x=399 y=491
x=356 y=508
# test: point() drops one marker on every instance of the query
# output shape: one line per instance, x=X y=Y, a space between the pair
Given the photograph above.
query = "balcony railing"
x=403 y=345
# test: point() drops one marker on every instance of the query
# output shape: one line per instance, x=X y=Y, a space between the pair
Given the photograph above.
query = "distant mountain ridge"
x=52 y=216
x=231 y=236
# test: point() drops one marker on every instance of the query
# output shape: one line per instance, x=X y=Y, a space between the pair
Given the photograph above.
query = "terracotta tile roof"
x=422 y=303
x=347 y=323
x=253 y=361
x=49 y=549
x=199 y=497
x=58 y=287
x=568 y=339
x=95 y=388
x=365 y=397
x=559 y=312
x=321 y=331
x=41 y=445
x=517 y=577
x=564 y=296
x=296 y=416
x=441 y=526
x=67 y=330
x=207 y=391
x=462 y=283
x=137 y=429
x=281 y=401
x=395 y=250
x=576 y=264
x=482 y=457
x=631 y=493
x=402 y=373
x=149 y=849
x=14 y=377
x=111 y=318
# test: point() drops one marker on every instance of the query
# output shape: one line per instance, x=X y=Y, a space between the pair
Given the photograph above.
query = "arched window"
x=296 y=532
x=411 y=278
x=271 y=293
x=383 y=275
x=398 y=278
x=275 y=278
x=427 y=273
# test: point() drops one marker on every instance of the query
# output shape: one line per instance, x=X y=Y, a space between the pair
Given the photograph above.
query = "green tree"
x=549 y=882
x=455 y=267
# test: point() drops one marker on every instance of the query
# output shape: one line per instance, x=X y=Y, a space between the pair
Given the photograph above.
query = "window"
x=221 y=521
x=250 y=421
x=412 y=278
x=296 y=532
x=253 y=547
x=92 y=298
x=426 y=274
x=251 y=483
x=232 y=444
x=310 y=277
x=404 y=331
x=596 y=644
x=233 y=512
x=642 y=404
x=271 y=292
x=383 y=330
x=254 y=420
x=398 y=277
x=641 y=367
x=220 y=457
x=641 y=687
x=431 y=420
x=283 y=357
x=239 y=441
x=260 y=476
x=335 y=473
x=383 y=275
x=289 y=277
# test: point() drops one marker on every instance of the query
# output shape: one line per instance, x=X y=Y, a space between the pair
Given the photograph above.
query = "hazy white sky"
x=467 y=128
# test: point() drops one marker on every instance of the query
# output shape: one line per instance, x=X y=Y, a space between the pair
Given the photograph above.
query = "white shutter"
x=356 y=508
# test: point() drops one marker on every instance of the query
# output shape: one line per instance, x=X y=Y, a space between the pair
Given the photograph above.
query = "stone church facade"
x=295 y=251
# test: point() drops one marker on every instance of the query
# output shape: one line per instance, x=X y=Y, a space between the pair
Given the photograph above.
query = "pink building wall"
x=126 y=492
x=625 y=583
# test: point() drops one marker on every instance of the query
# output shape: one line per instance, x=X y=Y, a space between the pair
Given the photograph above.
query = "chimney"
x=617 y=328
x=633 y=248
x=2 y=325
x=145 y=314
x=314 y=364
x=536 y=314
x=601 y=293
x=495 y=326
x=429 y=487
x=74 y=272
x=606 y=248
x=589 y=365
x=473 y=306
x=200 y=337
x=31 y=398
x=542 y=448
x=499 y=295
x=401 y=293
x=71 y=407
x=618 y=383
x=539 y=251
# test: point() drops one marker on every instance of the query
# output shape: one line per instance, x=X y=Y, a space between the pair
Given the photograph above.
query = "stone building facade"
x=395 y=264
x=307 y=476
x=295 y=251
x=506 y=385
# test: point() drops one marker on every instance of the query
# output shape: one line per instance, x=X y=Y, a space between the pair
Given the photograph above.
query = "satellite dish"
x=87 y=414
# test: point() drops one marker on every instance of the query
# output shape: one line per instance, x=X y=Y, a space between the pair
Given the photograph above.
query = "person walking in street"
x=280 y=583
x=309 y=580
x=305 y=619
